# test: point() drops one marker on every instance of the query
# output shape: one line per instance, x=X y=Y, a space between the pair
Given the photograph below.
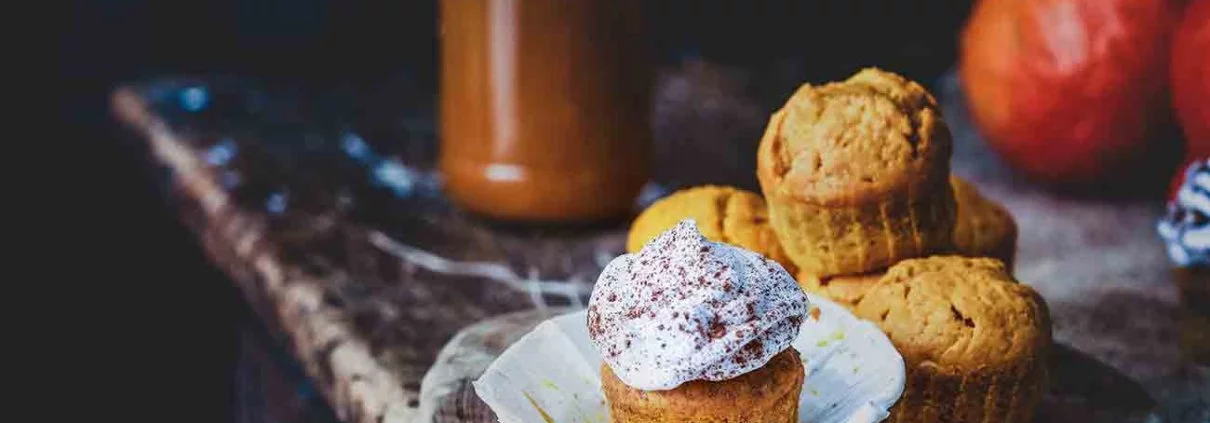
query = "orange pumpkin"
x=1191 y=77
x=1068 y=91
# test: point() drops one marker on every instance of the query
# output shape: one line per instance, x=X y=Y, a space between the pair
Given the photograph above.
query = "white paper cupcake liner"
x=853 y=373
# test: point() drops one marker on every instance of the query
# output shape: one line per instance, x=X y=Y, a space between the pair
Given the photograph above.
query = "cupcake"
x=983 y=228
x=692 y=330
x=723 y=214
x=975 y=341
x=1185 y=230
x=856 y=174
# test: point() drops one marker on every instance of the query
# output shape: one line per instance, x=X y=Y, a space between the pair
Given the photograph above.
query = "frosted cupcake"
x=692 y=330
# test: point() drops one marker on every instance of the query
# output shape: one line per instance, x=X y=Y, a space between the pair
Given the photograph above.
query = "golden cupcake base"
x=769 y=394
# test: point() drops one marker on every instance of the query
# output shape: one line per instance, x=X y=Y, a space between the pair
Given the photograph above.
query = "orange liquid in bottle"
x=544 y=107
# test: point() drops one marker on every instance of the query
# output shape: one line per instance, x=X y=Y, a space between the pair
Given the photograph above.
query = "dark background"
x=176 y=342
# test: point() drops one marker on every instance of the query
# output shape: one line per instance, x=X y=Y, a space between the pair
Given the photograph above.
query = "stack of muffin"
x=860 y=204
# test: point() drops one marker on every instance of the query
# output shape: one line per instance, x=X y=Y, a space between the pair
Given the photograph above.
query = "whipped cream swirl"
x=1185 y=228
x=684 y=308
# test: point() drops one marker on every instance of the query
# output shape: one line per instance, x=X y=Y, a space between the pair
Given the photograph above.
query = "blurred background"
x=361 y=46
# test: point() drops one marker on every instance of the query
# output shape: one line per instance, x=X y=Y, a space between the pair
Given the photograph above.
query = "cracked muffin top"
x=957 y=312
x=723 y=214
x=859 y=140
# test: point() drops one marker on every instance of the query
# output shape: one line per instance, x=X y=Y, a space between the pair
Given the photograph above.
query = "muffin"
x=845 y=290
x=856 y=173
x=983 y=228
x=723 y=214
x=692 y=330
x=975 y=341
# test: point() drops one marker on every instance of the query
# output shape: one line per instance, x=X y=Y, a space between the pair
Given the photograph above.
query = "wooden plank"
x=366 y=279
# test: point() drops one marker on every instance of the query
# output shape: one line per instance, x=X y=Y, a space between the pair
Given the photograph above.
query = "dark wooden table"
x=269 y=385
x=325 y=211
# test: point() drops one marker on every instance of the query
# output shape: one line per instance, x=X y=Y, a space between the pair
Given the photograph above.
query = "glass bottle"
x=544 y=107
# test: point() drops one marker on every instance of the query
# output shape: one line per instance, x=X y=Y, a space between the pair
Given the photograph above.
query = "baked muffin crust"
x=723 y=214
x=983 y=228
x=974 y=340
x=846 y=290
x=852 y=142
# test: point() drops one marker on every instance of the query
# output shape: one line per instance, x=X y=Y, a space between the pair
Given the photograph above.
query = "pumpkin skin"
x=1191 y=77
x=1070 y=92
